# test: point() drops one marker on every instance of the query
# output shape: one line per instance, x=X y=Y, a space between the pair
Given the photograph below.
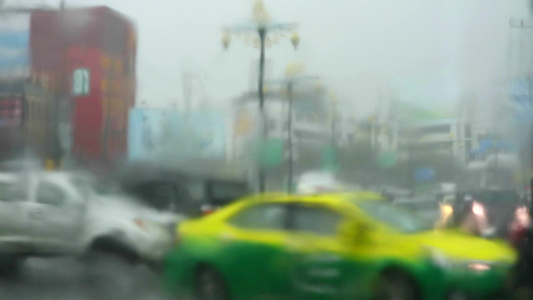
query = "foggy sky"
x=429 y=52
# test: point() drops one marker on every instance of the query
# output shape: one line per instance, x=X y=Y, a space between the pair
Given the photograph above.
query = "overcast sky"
x=429 y=52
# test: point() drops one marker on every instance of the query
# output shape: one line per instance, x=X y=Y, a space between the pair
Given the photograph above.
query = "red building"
x=103 y=42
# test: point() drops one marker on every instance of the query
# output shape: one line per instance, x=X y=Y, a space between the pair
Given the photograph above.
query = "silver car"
x=59 y=213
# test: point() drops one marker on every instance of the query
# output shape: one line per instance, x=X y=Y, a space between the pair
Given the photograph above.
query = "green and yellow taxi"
x=338 y=246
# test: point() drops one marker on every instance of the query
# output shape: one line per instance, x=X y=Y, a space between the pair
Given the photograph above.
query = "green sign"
x=386 y=160
x=329 y=159
x=81 y=82
x=269 y=153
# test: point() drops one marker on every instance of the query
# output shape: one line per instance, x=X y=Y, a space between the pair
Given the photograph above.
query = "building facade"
x=443 y=136
x=311 y=127
x=86 y=58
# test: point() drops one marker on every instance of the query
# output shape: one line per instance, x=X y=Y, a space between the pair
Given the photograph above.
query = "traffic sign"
x=330 y=160
x=269 y=153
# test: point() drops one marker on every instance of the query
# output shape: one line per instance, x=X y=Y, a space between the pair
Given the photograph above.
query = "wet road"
x=68 y=279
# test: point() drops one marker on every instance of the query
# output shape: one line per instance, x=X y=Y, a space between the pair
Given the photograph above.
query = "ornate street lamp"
x=262 y=32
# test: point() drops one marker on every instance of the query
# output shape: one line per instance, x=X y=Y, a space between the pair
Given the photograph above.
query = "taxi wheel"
x=396 y=286
x=523 y=294
x=210 y=285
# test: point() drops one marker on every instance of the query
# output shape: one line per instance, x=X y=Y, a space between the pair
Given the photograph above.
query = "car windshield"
x=99 y=186
x=395 y=217
x=496 y=197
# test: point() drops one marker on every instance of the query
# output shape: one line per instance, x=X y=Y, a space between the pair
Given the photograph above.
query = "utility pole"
x=290 y=82
x=410 y=167
x=62 y=109
x=109 y=99
x=333 y=128
x=186 y=82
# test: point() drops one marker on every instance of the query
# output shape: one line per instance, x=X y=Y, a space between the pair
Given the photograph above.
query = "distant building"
x=86 y=58
x=26 y=120
x=311 y=121
x=444 y=136
x=69 y=81
x=26 y=110
x=345 y=127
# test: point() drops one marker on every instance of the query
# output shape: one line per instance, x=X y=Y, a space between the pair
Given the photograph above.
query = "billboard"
x=10 y=112
x=14 y=45
x=170 y=134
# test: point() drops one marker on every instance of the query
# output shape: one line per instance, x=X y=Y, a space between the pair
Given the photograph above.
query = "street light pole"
x=264 y=122
x=289 y=132
x=262 y=36
x=291 y=81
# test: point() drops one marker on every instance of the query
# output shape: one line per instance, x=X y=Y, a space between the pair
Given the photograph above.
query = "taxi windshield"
x=395 y=217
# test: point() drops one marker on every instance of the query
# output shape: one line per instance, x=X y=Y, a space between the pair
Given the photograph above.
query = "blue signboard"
x=162 y=133
x=424 y=174
x=486 y=146
x=14 y=46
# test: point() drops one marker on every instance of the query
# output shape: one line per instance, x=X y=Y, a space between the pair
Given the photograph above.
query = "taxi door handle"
x=293 y=246
x=226 y=237
x=37 y=213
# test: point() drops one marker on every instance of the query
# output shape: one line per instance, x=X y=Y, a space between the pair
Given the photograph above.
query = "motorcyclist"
x=471 y=216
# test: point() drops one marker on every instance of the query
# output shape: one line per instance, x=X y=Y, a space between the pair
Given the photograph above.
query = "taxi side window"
x=316 y=220
x=50 y=194
x=261 y=217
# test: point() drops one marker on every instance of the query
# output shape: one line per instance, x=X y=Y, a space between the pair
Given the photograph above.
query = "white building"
x=311 y=125
x=444 y=136
x=345 y=127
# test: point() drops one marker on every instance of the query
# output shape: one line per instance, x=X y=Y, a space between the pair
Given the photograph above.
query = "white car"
x=318 y=182
x=58 y=213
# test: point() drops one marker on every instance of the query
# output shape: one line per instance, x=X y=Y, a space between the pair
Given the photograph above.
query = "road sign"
x=424 y=174
x=387 y=159
x=329 y=159
x=269 y=153
x=81 y=79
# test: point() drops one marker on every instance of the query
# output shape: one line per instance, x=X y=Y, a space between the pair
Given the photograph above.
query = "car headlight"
x=522 y=216
x=440 y=260
x=478 y=209
x=447 y=209
x=479 y=266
